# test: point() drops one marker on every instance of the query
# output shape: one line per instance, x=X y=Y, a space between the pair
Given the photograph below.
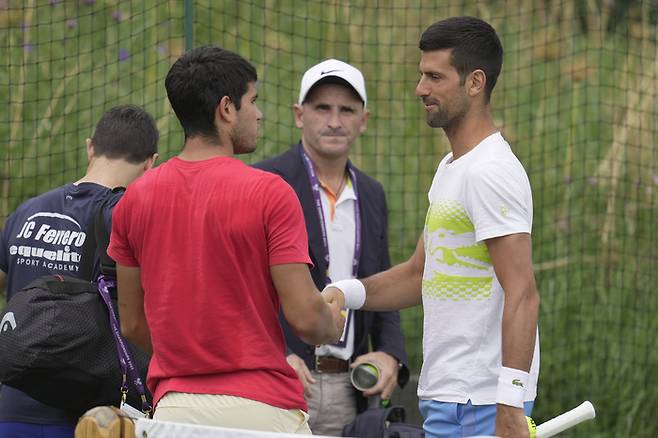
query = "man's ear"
x=90 y=149
x=225 y=110
x=150 y=162
x=476 y=82
x=298 y=110
x=364 y=121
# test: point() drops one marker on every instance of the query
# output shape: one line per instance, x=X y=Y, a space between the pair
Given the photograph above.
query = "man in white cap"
x=346 y=220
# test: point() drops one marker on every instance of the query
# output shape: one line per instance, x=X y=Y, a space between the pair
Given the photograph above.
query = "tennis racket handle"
x=564 y=421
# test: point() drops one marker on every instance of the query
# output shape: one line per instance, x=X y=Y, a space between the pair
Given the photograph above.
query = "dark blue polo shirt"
x=45 y=236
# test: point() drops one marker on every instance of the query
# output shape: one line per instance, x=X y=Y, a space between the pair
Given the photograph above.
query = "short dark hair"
x=126 y=132
x=199 y=79
x=474 y=45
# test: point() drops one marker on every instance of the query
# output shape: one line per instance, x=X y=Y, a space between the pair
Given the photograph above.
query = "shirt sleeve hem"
x=288 y=260
x=120 y=259
x=490 y=233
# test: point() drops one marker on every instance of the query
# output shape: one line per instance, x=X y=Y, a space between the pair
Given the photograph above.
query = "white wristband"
x=512 y=384
x=353 y=290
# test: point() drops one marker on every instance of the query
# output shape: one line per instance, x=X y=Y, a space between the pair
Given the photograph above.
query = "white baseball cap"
x=333 y=68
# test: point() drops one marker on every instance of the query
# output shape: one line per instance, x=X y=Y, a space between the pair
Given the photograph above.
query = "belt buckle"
x=317 y=364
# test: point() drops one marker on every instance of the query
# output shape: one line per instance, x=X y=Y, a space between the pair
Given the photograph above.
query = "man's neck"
x=469 y=132
x=111 y=173
x=330 y=171
x=199 y=148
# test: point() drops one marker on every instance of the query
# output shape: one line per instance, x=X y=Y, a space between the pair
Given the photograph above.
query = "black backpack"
x=382 y=423
x=56 y=343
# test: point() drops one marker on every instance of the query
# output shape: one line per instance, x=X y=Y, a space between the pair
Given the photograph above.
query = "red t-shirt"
x=204 y=234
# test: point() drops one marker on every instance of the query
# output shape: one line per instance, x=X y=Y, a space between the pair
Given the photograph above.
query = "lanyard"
x=315 y=189
x=125 y=358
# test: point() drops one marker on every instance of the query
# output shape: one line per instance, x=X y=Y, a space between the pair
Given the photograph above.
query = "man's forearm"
x=318 y=328
x=394 y=289
x=139 y=335
x=131 y=307
x=399 y=287
x=310 y=318
x=519 y=328
x=512 y=261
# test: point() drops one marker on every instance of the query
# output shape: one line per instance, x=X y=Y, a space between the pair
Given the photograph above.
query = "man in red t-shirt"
x=208 y=250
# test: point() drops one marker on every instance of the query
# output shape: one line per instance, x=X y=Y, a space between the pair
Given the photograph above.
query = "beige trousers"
x=230 y=411
x=332 y=404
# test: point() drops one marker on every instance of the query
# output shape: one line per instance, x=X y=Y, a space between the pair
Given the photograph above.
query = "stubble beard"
x=242 y=143
x=443 y=118
x=438 y=119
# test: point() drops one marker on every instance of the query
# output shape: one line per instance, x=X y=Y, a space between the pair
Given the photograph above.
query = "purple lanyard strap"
x=315 y=189
x=125 y=358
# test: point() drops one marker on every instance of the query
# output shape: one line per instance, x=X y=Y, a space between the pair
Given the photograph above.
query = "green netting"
x=577 y=99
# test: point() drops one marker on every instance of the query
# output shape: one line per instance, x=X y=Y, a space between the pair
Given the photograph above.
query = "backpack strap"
x=98 y=239
x=108 y=266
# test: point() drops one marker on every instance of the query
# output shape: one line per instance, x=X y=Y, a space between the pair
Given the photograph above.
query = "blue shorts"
x=457 y=420
x=26 y=430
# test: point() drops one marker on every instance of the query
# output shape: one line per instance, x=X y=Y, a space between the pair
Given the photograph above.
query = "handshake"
x=340 y=295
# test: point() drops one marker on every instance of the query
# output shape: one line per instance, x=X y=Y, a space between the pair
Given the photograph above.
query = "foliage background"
x=576 y=100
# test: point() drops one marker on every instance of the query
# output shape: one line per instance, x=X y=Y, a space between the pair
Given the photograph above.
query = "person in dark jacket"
x=347 y=224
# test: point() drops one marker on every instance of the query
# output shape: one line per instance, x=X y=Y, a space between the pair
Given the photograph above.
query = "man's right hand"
x=338 y=315
x=303 y=373
x=333 y=294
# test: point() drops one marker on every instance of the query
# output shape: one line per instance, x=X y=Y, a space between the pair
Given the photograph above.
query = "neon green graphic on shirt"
x=448 y=216
x=450 y=245
x=457 y=288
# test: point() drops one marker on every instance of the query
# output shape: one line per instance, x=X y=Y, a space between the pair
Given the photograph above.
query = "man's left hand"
x=511 y=422
x=388 y=373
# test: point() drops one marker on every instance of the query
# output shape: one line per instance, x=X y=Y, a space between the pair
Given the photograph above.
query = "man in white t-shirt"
x=472 y=268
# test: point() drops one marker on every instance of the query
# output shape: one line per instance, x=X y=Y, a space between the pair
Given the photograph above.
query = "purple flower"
x=563 y=225
x=4 y=4
x=162 y=49
x=54 y=2
x=567 y=179
x=655 y=178
x=71 y=23
x=592 y=180
x=90 y=2
x=28 y=47
x=117 y=16
x=123 y=54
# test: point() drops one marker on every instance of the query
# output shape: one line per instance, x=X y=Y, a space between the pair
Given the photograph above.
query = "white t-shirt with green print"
x=483 y=194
